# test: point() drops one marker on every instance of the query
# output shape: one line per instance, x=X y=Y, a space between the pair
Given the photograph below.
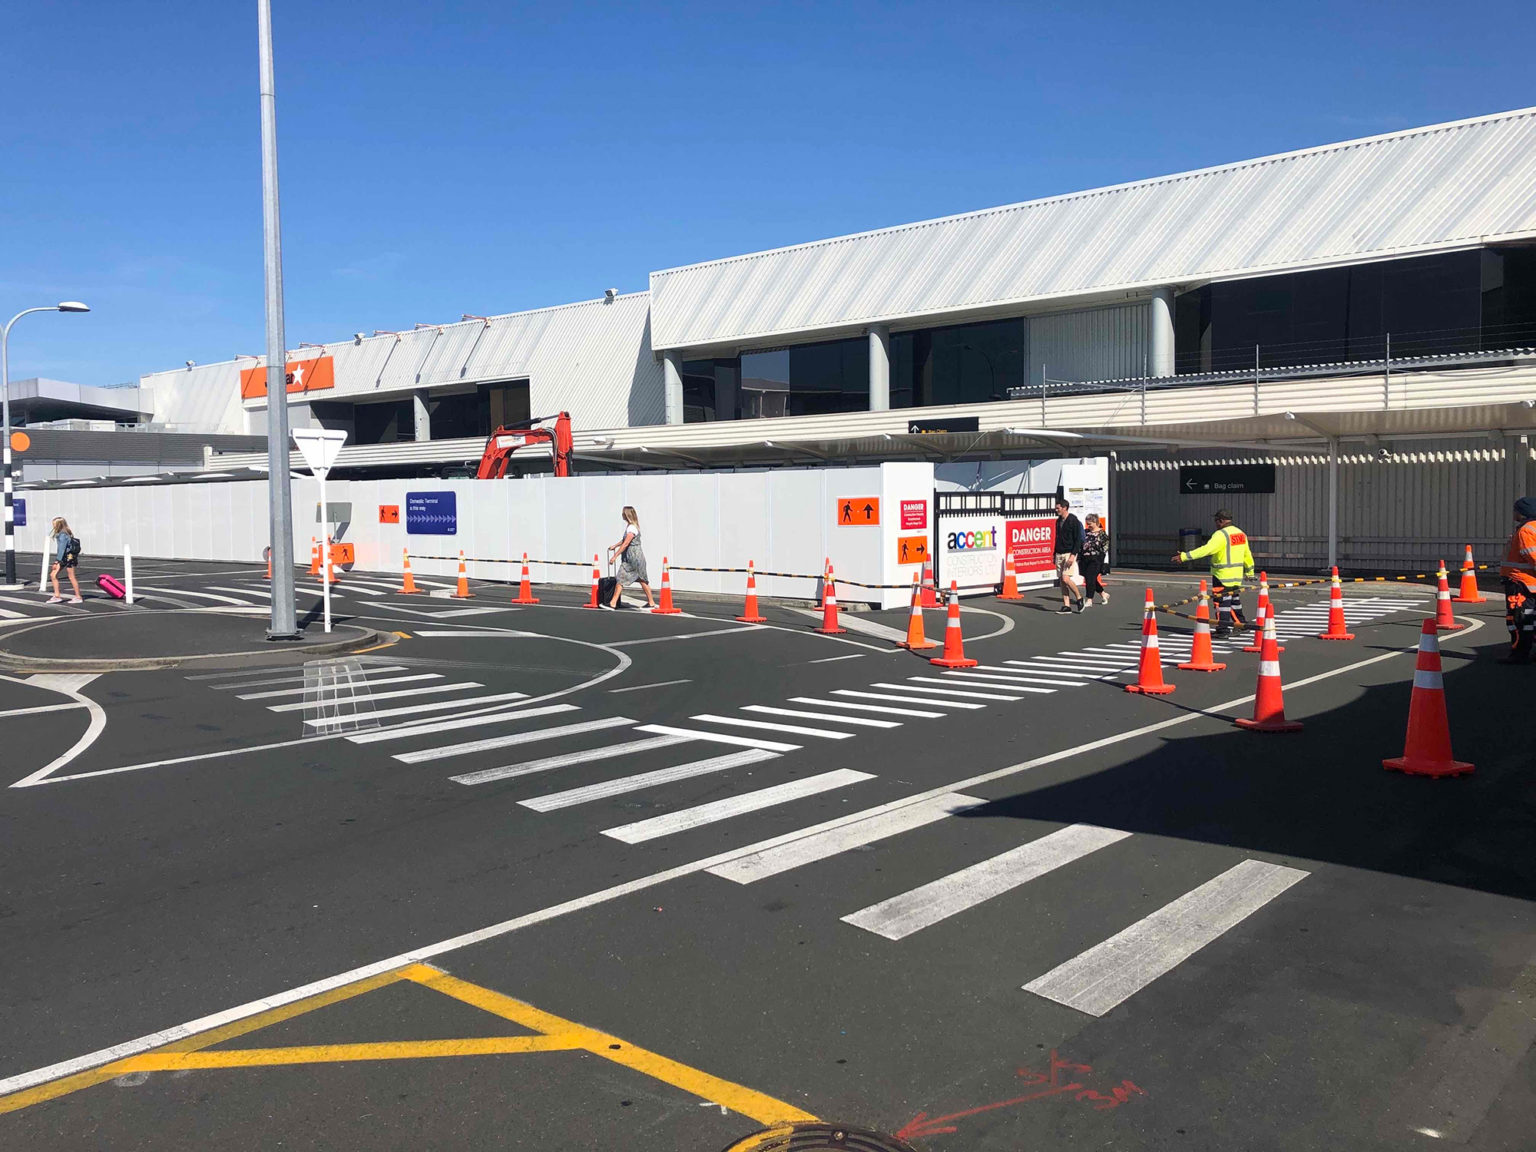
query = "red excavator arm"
x=505 y=441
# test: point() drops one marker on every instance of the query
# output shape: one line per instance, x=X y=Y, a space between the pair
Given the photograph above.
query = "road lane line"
x=768 y=726
x=333 y=701
x=66 y=684
x=423 y=952
x=905 y=699
x=1116 y=969
x=998 y=679
x=857 y=721
x=900 y=916
x=506 y=711
x=719 y=737
x=40 y=708
x=1011 y=688
x=696 y=817
x=624 y=784
x=490 y=744
x=642 y=687
x=239 y=591
x=323 y=684
x=960 y=692
x=300 y=678
x=821 y=845
x=880 y=708
x=683 y=636
x=831 y=659
x=550 y=763
x=173 y=592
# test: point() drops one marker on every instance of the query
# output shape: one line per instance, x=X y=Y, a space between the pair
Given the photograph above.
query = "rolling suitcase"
x=605 y=587
x=111 y=585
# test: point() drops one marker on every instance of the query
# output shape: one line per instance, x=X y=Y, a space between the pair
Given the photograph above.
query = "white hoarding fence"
x=975 y=530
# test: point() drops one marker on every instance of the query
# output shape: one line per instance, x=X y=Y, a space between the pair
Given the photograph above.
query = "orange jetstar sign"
x=314 y=375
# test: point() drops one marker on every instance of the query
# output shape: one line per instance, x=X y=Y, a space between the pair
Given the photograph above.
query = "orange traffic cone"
x=749 y=612
x=954 y=643
x=666 y=607
x=1337 y=628
x=592 y=603
x=829 y=625
x=826 y=578
x=1010 y=580
x=1149 y=676
x=1445 y=615
x=525 y=587
x=1265 y=614
x=1427 y=747
x=463 y=592
x=930 y=588
x=269 y=561
x=1201 y=657
x=1269 y=701
x=1469 y=592
x=408 y=582
x=314 y=557
x=915 y=640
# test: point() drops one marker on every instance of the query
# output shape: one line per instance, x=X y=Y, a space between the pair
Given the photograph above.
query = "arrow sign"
x=431 y=514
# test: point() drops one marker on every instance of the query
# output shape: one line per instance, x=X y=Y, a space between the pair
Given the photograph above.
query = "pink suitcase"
x=111 y=585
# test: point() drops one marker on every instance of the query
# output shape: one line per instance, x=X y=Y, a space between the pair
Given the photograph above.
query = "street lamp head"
x=73 y=306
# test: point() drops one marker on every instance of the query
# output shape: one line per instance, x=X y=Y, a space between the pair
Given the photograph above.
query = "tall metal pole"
x=5 y=434
x=284 y=624
x=1333 y=501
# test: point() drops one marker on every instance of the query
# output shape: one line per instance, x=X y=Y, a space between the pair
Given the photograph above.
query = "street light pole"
x=284 y=623
x=5 y=425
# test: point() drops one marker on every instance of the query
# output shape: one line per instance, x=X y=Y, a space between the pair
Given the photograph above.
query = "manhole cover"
x=818 y=1137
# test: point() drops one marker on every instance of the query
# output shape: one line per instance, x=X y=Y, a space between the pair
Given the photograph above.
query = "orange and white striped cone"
x=1427 y=746
x=596 y=576
x=665 y=607
x=1010 y=580
x=1269 y=699
x=1469 y=593
x=916 y=641
x=268 y=552
x=930 y=587
x=826 y=578
x=1149 y=675
x=463 y=592
x=1338 y=629
x=954 y=643
x=1201 y=656
x=1445 y=615
x=408 y=581
x=525 y=587
x=749 y=612
x=829 y=625
x=314 y=557
x=1265 y=614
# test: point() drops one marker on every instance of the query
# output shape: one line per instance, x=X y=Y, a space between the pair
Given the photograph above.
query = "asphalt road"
x=550 y=878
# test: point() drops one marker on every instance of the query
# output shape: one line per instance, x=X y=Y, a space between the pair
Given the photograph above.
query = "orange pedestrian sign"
x=857 y=511
x=911 y=549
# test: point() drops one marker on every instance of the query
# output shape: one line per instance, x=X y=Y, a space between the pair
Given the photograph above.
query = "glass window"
x=383 y=423
x=504 y=404
x=709 y=390
x=807 y=380
x=965 y=364
x=459 y=416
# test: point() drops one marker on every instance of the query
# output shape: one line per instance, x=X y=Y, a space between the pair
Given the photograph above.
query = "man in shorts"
x=1069 y=542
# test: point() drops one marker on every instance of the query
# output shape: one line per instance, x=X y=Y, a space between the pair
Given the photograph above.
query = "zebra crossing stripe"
x=497 y=715
x=300 y=678
x=331 y=702
x=995 y=682
x=768 y=726
x=984 y=673
x=239 y=591
x=832 y=841
x=857 y=721
x=565 y=760
x=491 y=743
x=905 y=699
x=880 y=708
x=900 y=916
x=1112 y=971
x=950 y=691
x=350 y=682
x=716 y=810
x=719 y=737
x=602 y=791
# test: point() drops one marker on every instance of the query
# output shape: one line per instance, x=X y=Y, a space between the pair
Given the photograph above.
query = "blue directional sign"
x=19 y=507
x=431 y=513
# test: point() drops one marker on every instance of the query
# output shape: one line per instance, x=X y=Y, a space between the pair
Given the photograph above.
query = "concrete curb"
x=283 y=651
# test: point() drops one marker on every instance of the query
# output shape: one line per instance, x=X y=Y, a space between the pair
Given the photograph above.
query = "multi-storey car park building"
x=1360 y=314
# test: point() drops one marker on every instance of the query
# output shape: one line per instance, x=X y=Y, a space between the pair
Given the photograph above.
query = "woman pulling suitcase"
x=631 y=564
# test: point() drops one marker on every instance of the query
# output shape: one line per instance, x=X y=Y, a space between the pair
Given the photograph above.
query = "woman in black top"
x=1092 y=561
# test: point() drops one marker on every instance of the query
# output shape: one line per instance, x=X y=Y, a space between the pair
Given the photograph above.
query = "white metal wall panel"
x=1394 y=195
x=1094 y=344
x=205 y=398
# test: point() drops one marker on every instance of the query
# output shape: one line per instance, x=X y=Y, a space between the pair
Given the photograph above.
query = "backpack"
x=73 y=551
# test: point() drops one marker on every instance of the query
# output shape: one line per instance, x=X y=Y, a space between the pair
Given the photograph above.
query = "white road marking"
x=855 y=623
x=321 y=688
x=424 y=755
x=768 y=726
x=830 y=659
x=902 y=915
x=66 y=684
x=999 y=679
x=7 y=614
x=1011 y=688
x=1108 y=973
x=1065 y=673
x=550 y=763
x=299 y=678
x=624 y=784
x=684 y=636
x=858 y=721
x=719 y=737
x=674 y=822
x=331 y=702
x=474 y=633
x=40 y=708
x=905 y=699
x=942 y=691
x=239 y=591
x=642 y=687
x=196 y=595
x=821 y=845
x=463 y=720
x=867 y=707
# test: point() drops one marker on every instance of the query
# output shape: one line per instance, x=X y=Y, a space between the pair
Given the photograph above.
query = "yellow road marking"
x=554 y=1035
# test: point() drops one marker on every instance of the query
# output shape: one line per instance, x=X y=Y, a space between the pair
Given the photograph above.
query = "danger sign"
x=857 y=511
x=1031 y=542
x=914 y=514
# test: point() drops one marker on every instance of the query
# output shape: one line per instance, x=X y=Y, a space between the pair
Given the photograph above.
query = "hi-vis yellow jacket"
x=1231 y=558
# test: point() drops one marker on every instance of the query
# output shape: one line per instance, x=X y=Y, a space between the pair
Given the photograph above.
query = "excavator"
x=497 y=456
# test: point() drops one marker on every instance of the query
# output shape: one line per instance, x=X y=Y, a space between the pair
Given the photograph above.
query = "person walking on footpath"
x=1093 y=560
x=1519 y=575
x=66 y=553
x=632 y=567
x=1231 y=565
x=1069 y=542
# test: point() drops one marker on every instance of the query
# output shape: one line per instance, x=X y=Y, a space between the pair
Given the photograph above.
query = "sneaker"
x=55 y=599
x=607 y=607
x=77 y=600
x=1084 y=604
x=1103 y=597
x=1063 y=610
x=1077 y=609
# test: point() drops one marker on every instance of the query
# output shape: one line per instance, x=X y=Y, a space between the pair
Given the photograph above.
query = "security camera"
x=191 y=364
x=357 y=337
x=610 y=293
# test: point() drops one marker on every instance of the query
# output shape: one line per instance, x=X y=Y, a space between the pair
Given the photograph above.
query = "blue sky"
x=455 y=156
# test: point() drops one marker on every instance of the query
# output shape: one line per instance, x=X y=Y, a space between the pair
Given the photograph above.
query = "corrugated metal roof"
x=1442 y=186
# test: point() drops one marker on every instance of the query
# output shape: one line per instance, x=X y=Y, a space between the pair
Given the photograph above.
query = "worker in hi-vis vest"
x=1231 y=564
x=1519 y=574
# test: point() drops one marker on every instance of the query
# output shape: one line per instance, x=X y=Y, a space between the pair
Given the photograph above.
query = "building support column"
x=880 y=368
x=1333 y=501
x=1160 y=332
x=423 y=415
x=672 y=385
